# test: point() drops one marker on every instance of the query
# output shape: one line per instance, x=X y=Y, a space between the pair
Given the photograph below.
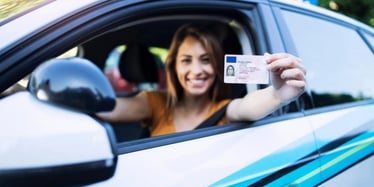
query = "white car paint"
x=42 y=130
x=203 y=161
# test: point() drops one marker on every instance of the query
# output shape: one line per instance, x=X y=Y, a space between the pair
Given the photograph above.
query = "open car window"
x=132 y=56
x=21 y=85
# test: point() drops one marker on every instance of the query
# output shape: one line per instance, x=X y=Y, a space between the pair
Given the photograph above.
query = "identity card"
x=246 y=69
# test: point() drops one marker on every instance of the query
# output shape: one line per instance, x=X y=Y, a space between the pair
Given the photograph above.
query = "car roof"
x=53 y=11
x=30 y=21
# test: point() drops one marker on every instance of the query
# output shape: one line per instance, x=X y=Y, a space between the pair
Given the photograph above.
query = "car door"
x=339 y=78
x=277 y=150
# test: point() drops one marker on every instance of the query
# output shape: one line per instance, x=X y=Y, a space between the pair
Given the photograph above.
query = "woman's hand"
x=287 y=75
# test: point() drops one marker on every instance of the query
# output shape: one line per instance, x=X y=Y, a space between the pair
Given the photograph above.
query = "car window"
x=334 y=55
x=133 y=62
x=21 y=85
x=73 y=52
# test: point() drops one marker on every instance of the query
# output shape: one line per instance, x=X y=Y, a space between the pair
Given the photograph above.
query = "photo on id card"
x=245 y=69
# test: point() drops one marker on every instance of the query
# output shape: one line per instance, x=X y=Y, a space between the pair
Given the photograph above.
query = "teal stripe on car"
x=309 y=174
x=294 y=169
x=350 y=153
x=278 y=160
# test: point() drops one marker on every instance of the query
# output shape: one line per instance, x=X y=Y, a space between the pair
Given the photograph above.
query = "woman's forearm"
x=254 y=105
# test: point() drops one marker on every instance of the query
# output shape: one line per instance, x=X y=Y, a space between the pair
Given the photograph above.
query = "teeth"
x=197 y=81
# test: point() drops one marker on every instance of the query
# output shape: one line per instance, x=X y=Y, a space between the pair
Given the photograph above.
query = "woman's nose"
x=196 y=67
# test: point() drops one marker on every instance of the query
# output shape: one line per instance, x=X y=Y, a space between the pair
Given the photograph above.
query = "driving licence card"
x=245 y=69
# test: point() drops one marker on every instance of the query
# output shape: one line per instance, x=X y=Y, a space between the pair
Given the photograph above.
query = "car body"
x=324 y=138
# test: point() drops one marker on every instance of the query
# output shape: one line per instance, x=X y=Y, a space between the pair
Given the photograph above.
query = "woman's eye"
x=185 y=61
x=205 y=60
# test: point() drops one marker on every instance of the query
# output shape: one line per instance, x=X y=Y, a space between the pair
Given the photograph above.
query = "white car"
x=49 y=135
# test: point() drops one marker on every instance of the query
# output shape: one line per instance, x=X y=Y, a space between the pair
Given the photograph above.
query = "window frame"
x=254 y=14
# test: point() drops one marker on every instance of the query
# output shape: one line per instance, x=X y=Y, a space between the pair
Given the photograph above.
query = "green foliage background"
x=11 y=7
x=362 y=10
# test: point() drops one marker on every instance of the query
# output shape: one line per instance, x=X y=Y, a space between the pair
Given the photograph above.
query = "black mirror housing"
x=74 y=83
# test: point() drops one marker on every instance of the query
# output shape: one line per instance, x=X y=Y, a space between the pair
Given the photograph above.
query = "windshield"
x=11 y=8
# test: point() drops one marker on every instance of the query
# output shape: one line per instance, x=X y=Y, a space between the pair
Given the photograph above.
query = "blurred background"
x=362 y=10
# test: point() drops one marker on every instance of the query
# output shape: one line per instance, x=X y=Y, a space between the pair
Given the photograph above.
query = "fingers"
x=294 y=74
x=282 y=61
x=287 y=68
x=294 y=77
x=297 y=83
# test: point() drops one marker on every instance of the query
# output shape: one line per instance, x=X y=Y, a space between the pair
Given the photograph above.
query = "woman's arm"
x=128 y=110
x=287 y=75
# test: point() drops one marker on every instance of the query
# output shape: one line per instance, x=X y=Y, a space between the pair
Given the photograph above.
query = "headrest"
x=138 y=65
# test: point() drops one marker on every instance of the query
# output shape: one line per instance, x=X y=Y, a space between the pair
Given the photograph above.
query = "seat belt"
x=213 y=119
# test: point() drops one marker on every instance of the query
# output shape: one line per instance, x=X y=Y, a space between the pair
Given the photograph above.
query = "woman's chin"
x=197 y=91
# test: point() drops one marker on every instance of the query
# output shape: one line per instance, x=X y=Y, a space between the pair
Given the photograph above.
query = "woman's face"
x=194 y=68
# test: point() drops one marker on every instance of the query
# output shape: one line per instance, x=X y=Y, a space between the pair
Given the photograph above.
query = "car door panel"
x=345 y=138
x=248 y=156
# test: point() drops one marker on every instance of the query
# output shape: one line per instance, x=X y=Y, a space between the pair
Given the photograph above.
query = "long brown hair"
x=212 y=45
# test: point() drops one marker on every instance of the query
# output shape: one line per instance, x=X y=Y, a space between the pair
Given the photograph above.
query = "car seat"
x=138 y=66
x=231 y=45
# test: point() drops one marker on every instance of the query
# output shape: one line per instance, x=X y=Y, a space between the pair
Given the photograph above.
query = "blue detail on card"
x=231 y=59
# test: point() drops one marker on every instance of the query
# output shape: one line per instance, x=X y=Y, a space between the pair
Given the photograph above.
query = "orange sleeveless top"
x=160 y=123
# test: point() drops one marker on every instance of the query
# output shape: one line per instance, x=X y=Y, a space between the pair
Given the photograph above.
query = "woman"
x=194 y=69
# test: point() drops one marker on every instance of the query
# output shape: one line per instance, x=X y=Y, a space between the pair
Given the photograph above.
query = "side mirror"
x=75 y=83
x=47 y=137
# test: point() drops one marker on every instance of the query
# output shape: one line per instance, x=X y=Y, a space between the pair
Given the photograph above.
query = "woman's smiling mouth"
x=197 y=83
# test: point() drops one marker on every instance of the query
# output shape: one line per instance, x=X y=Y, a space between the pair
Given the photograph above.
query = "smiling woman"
x=196 y=91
